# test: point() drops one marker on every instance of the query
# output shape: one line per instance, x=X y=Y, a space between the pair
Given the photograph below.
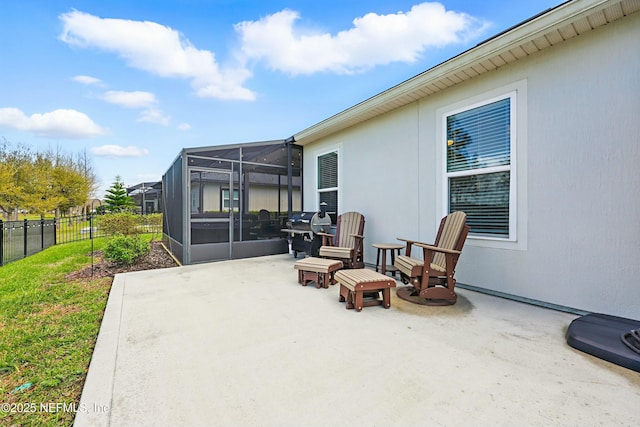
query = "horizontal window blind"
x=479 y=137
x=485 y=200
x=328 y=170
x=328 y=183
x=331 y=199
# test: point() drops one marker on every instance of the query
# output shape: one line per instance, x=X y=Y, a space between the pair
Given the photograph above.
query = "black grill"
x=302 y=228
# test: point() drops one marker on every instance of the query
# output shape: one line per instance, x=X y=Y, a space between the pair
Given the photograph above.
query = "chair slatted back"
x=349 y=223
x=449 y=235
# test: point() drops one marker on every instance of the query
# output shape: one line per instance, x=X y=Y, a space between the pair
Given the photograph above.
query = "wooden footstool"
x=317 y=270
x=353 y=283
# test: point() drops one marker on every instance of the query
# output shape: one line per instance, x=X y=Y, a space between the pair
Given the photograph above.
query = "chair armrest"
x=357 y=236
x=407 y=250
x=411 y=242
x=327 y=239
x=406 y=240
x=437 y=249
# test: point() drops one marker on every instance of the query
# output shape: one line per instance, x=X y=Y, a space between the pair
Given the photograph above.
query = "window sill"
x=496 y=243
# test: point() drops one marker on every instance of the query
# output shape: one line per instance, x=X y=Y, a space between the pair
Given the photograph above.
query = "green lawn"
x=48 y=329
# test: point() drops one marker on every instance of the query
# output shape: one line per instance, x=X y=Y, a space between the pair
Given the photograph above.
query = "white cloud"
x=276 y=40
x=119 y=151
x=135 y=99
x=373 y=39
x=184 y=126
x=139 y=99
x=153 y=115
x=88 y=80
x=157 y=49
x=55 y=124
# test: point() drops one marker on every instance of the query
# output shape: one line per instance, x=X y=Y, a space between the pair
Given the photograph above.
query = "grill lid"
x=320 y=224
x=300 y=220
x=310 y=221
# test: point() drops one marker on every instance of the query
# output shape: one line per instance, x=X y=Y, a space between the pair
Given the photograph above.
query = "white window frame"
x=225 y=197
x=326 y=190
x=513 y=214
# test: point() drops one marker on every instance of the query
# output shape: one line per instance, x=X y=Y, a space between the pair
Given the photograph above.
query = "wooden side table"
x=384 y=247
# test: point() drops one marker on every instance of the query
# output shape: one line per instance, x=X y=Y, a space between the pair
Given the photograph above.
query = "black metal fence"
x=75 y=228
x=20 y=239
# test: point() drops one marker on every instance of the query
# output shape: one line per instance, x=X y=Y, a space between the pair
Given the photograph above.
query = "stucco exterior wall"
x=377 y=167
x=578 y=151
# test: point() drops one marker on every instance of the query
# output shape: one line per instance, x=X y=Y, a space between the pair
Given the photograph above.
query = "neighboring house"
x=147 y=196
x=535 y=133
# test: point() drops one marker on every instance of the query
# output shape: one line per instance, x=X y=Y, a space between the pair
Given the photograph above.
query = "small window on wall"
x=328 y=183
x=479 y=174
x=226 y=202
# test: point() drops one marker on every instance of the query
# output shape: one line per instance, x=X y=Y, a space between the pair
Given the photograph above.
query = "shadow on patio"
x=242 y=343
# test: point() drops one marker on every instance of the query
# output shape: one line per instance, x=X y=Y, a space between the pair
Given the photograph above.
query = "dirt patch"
x=158 y=257
x=57 y=310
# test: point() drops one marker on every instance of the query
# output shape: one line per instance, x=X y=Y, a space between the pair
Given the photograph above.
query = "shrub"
x=126 y=250
x=152 y=223
x=124 y=223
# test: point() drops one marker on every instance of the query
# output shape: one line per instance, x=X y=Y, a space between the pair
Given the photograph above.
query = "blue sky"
x=133 y=82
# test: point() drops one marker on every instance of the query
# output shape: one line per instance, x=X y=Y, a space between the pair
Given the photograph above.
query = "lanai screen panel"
x=261 y=199
x=172 y=187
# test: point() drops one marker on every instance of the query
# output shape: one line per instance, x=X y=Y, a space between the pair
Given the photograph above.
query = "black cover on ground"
x=601 y=335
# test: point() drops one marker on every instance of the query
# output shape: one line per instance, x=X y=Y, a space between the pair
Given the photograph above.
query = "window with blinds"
x=328 y=183
x=478 y=166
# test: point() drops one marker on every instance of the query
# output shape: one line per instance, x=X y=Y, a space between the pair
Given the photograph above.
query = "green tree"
x=70 y=183
x=9 y=189
x=42 y=182
x=53 y=182
x=116 y=198
x=12 y=164
x=37 y=176
x=83 y=162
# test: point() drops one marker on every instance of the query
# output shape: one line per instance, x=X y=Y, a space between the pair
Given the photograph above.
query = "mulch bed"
x=158 y=257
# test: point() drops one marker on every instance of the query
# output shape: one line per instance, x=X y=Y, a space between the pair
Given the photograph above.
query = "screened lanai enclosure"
x=231 y=201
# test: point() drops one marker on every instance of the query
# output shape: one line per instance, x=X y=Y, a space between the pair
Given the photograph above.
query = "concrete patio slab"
x=242 y=343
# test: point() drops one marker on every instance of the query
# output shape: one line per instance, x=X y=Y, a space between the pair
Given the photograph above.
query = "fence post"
x=41 y=232
x=91 y=237
x=1 y=243
x=55 y=231
x=26 y=225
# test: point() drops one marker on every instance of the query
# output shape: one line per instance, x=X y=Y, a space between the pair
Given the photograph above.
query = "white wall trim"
x=517 y=91
x=326 y=150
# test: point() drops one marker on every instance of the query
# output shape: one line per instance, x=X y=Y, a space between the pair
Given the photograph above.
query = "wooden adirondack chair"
x=347 y=244
x=432 y=277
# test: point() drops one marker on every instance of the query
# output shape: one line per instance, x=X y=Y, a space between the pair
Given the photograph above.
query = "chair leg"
x=342 y=297
x=358 y=299
x=386 y=297
x=350 y=304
